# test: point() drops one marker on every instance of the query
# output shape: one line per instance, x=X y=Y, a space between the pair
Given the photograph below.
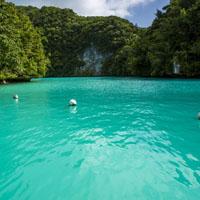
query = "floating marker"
x=72 y=102
x=198 y=116
x=16 y=97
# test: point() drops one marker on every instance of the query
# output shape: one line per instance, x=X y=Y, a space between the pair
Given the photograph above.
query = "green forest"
x=52 y=42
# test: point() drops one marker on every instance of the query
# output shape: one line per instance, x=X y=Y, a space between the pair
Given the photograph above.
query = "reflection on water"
x=73 y=109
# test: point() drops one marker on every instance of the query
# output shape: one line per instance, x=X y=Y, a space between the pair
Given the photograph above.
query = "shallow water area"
x=128 y=138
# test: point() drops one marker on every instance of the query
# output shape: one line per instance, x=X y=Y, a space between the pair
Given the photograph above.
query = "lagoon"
x=128 y=138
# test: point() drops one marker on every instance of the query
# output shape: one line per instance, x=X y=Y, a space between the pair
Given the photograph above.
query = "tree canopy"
x=21 y=49
x=29 y=35
x=68 y=35
x=174 y=37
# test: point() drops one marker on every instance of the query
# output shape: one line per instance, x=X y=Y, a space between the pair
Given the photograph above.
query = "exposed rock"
x=94 y=60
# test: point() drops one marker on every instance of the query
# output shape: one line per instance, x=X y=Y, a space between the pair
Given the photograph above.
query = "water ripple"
x=127 y=139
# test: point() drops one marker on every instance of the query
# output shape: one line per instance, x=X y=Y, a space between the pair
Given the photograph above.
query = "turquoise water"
x=134 y=139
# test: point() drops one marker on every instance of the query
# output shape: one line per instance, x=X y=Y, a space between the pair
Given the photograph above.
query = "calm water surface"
x=128 y=139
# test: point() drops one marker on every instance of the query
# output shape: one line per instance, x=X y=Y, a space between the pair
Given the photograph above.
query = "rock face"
x=176 y=68
x=93 y=61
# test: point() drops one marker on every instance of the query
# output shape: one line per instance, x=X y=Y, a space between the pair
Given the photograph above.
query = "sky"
x=140 y=12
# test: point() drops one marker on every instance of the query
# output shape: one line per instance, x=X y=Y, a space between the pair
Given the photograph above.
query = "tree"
x=127 y=49
x=21 y=49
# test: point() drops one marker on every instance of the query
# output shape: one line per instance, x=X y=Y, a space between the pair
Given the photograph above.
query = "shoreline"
x=24 y=80
x=129 y=76
x=13 y=80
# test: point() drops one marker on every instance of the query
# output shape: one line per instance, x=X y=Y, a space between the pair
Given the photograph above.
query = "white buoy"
x=198 y=115
x=72 y=102
x=16 y=97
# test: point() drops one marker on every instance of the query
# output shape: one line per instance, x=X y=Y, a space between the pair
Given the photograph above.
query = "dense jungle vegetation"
x=21 y=50
x=33 y=41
